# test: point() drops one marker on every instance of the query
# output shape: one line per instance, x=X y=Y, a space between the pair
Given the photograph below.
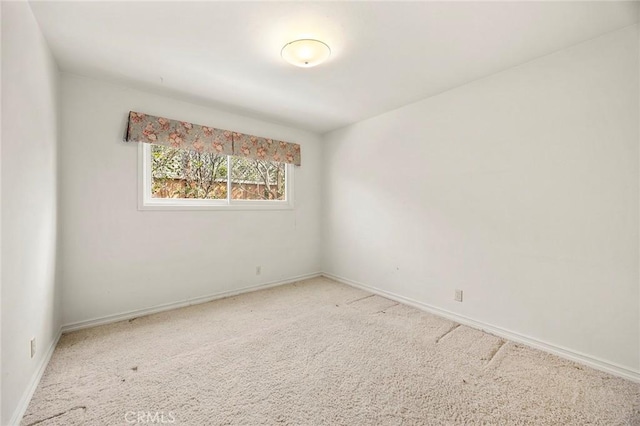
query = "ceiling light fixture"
x=305 y=52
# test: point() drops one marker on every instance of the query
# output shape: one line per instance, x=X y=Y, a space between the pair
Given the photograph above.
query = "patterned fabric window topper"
x=265 y=149
x=183 y=135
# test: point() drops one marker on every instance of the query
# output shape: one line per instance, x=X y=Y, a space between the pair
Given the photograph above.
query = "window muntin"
x=182 y=179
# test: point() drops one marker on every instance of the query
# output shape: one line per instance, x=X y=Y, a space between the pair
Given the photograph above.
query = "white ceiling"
x=385 y=54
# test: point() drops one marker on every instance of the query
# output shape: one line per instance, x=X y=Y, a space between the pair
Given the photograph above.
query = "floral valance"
x=183 y=135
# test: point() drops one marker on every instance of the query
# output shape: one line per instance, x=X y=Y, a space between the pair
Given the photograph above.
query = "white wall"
x=30 y=302
x=520 y=189
x=0 y=219
x=117 y=259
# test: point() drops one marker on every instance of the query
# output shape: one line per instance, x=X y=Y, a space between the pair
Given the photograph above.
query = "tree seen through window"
x=188 y=174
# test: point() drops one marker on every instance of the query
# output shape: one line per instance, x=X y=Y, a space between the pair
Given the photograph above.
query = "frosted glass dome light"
x=306 y=52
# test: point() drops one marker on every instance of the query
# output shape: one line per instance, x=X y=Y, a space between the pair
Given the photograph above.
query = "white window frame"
x=147 y=202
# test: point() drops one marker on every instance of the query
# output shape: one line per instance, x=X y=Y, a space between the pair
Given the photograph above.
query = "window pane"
x=177 y=173
x=257 y=179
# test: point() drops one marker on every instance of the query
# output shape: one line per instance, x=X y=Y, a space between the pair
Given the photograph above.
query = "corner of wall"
x=31 y=285
x=638 y=33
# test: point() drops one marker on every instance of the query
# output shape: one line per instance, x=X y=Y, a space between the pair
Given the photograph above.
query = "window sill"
x=173 y=206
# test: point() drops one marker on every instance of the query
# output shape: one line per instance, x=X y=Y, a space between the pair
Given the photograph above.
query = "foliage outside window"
x=182 y=177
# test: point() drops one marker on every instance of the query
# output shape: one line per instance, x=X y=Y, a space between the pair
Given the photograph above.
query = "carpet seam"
x=438 y=339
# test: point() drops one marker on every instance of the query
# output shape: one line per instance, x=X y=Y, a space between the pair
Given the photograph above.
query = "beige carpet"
x=316 y=353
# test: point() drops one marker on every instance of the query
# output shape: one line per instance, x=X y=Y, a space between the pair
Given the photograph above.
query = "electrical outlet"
x=33 y=347
x=458 y=296
x=258 y=270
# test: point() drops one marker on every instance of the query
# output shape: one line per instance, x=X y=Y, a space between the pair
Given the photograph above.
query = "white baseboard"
x=33 y=384
x=37 y=376
x=594 y=362
x=174 y=305
x=566 y=353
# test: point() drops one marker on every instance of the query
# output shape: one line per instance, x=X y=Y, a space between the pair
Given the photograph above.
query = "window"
x=184 y=180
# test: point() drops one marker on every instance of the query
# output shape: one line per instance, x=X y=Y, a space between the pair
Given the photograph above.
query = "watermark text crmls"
x=150 y=417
